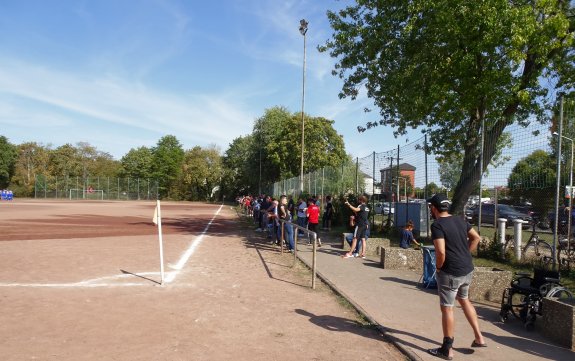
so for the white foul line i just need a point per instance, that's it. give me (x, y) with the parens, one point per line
(97, 282)
(186, 256)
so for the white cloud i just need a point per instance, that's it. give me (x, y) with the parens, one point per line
(198, 117)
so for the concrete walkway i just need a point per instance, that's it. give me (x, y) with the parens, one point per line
(410, 315)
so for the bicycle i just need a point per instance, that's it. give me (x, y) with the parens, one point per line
(536, 250)
(565, 253)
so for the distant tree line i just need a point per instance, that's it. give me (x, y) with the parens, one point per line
(199, 173)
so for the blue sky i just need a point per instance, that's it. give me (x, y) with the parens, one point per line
(120, 74)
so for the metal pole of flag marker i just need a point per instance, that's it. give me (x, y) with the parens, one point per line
(158, 222)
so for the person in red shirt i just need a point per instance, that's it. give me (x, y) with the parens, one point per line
(313, 218)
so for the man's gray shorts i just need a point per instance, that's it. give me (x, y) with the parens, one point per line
(449, 287)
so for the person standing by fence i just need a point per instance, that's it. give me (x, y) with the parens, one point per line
(454, 239)
(301, 215)
(327, 214)
(313, 218)
(286, 216)
(361, 225)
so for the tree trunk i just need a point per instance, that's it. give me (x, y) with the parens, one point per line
(471, 174)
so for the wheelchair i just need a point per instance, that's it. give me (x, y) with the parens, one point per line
(524, 299)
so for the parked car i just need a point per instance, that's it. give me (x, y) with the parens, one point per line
(541, 222)
(503, 211)
(384, 208)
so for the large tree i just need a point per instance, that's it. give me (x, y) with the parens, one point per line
(201, 173)
(167, 160)
(448, 66)
(137, 163)
(240, 175)
(8, 155)
(277, 134)
(64, 161)
(32, 160)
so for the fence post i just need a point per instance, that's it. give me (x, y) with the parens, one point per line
(356, 175)
(342, 185)
(427, 231)
(373, 193)
(322, 195)
(501, 222)
(517, 231)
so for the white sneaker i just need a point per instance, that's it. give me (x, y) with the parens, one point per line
(356, 255)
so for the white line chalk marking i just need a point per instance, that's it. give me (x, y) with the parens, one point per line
(186, 256)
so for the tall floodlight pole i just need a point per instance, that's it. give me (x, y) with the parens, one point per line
(303, 30)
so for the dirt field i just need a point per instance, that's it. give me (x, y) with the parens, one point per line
(79, 281)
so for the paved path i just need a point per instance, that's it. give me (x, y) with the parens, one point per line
(411, 316)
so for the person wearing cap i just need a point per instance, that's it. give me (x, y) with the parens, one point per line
(454, 240)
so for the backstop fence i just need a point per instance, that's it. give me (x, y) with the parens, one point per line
(95, 188)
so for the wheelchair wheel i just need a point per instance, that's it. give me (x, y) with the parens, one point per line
(518, 305)
(505, 306)
(560, 293)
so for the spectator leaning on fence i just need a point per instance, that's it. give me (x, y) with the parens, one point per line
(361, 225)
(286, 216)
(301, 215)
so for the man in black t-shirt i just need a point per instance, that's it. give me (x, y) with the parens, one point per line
(454, 239)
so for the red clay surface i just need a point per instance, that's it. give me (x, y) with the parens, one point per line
(78, 281)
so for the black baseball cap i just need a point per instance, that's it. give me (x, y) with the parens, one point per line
(440, 202)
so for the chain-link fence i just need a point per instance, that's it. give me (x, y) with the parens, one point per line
(522, 173)
(95, 188)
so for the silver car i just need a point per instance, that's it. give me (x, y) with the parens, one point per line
(384, 208)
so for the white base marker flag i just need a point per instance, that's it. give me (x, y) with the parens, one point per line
(158, 222)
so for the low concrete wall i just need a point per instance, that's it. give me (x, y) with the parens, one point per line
(558, 322)
(373, 244)
(488, 284)
(400, 258)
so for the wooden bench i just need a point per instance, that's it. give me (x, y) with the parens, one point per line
(373, 244)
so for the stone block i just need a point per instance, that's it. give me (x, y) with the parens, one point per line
(488, 284)
(373, 244)
(400, 258)
(558, 321)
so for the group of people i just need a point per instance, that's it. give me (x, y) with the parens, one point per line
(6, 195)
(453, 238)
(268, 213)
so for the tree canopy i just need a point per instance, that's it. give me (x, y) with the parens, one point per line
(449, 66)
(8, 156)
(274, 147)
(533, 180)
